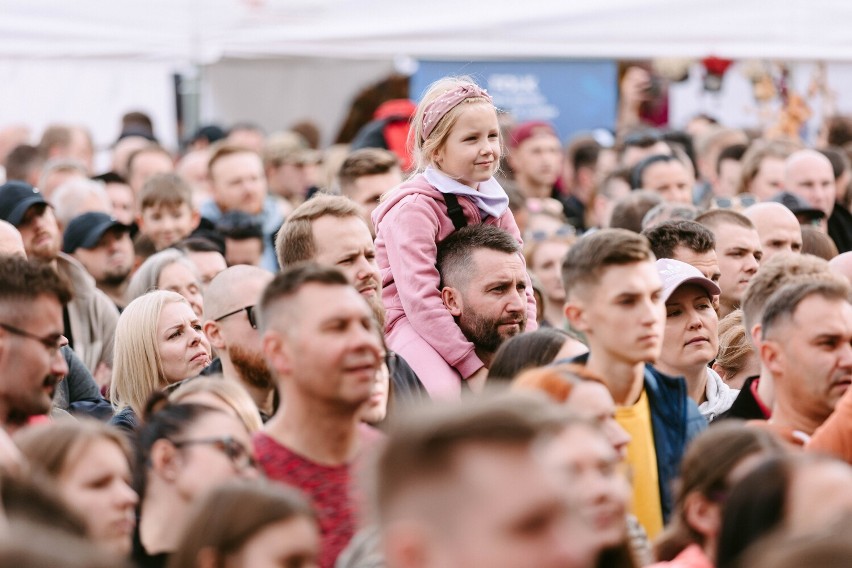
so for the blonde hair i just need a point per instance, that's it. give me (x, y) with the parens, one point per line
(734, 346)
(230, 392)
(138, 369)
(52, 447)
(147, 277)
(424, 150)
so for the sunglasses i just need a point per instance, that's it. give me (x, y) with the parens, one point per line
(249, 310)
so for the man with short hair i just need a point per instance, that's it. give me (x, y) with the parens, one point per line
(366, 174)
(614, 297)
(456, 486)
(71, 142)
(806, 334)
(145, 163)
(686, 241)
(230, 323)
(738, 250)
(778, 228)
(329, 230)
(238, 183)
(103, 246)
(90, 317)
(483, 285)
(757, 394)
(31, 363)
(321, 341)
(535, 156)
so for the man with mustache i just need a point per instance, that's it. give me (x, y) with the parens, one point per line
(483, 284)
(806, 332)
(331, 231)
(230, 323)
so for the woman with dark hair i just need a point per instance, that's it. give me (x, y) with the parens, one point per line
(528, 350)
(249, 524)
(183, 452)
(793, 494)
(715, 460)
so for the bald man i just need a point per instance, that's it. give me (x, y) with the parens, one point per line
(808, 174)
(11, 243)
(778, 228)
(231, 325)
(842, 265)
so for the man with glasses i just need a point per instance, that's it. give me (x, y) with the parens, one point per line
(90, 317)
(231, 327)
(31, 364)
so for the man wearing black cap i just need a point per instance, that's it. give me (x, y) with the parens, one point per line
(90, 317)
(103, 247)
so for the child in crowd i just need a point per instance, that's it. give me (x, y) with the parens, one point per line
(166, 211)
(456, 142)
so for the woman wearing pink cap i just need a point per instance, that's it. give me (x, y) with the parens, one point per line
(691, 339)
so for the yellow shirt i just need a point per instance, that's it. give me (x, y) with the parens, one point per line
(642, 459)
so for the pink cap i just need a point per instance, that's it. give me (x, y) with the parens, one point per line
(675, 274)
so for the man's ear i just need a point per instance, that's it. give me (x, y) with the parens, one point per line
(771, 356)
(140, 222)
(406, 545)
(575, 313)
(196, 219)
(276, 353)
(452, 300)
(214, 335)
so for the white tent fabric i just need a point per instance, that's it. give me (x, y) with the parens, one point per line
(203, 31)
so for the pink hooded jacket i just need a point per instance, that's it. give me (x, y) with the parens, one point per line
(409, 225)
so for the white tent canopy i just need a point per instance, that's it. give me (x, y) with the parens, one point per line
(205, 31)
(277, 61)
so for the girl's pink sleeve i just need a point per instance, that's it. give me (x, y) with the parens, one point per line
(507, 223)
(410, 232)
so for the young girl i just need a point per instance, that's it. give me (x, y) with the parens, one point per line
(456, 142)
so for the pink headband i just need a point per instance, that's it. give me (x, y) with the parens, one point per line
(436, 110)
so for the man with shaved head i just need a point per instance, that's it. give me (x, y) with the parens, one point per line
(231, 325)
(777, 227)
(809, 174)
(11, 243)
(842, 265)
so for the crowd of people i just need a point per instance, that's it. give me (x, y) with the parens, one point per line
(486, 348)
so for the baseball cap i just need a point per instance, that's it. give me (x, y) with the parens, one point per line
(675, 274)
(797, 205)
(16, 197)
(526, 130)
(87, 229)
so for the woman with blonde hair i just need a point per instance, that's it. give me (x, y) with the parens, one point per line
(218, 392)
(171, 270)
(158, 342)
(89, 463)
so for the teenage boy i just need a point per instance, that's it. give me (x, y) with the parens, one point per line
(166, 213)
(614, 296)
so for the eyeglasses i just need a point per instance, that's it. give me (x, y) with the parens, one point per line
(740, 201)
(249, 310)
(564, 231)
(52, 342)
(236, 452)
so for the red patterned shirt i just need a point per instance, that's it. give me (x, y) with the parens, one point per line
(330, 488)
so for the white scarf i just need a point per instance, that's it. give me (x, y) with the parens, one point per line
(490, 198)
